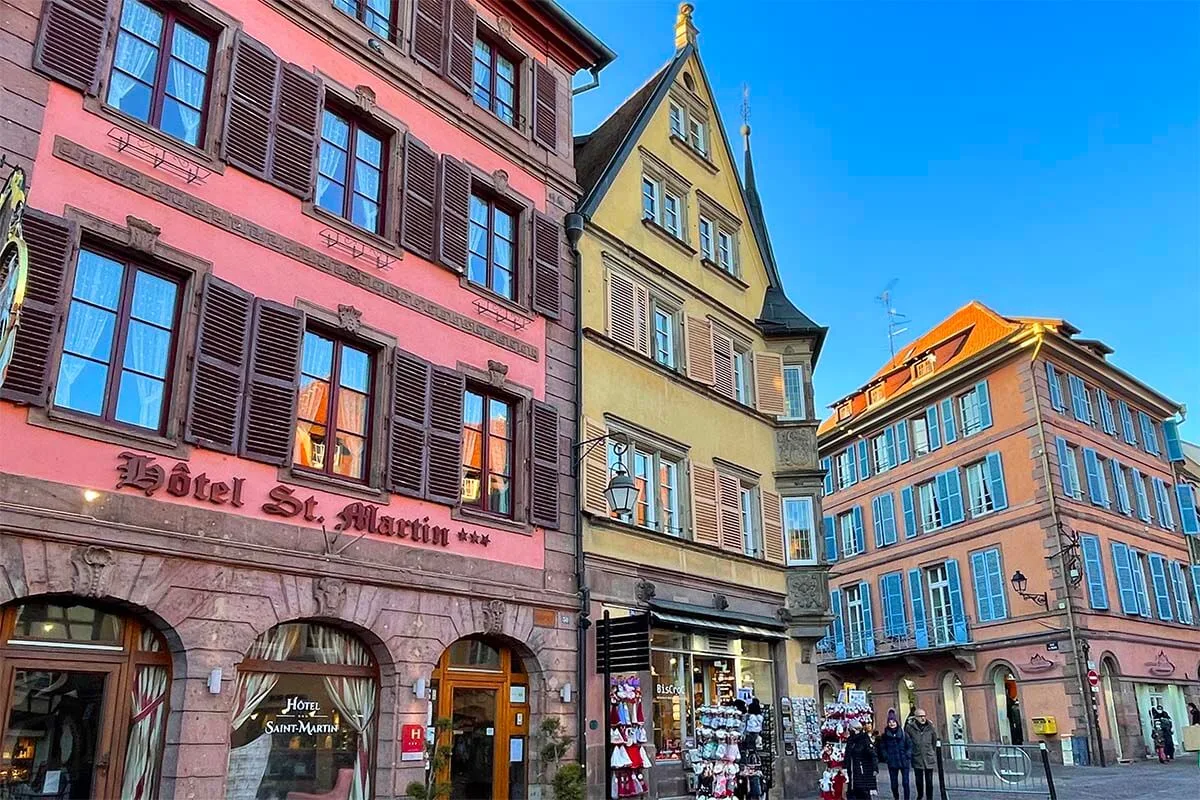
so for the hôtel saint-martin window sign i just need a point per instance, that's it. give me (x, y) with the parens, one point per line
(14, 264)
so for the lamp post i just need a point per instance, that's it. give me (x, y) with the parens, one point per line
(621, 492)
(1020, 583)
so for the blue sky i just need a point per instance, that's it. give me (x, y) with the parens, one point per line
(1041, 157)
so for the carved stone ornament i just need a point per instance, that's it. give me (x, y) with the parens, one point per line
(796, 447)
(365, 97)
(504, 24)
(330, 595)
(1161, 665)
(91, 570)
(1039, 663)
(807, 592)
(142, 234)
(349, 318)
(500, 181)
(644, 591)
(493, 616)
(497, 373)
(720, 602)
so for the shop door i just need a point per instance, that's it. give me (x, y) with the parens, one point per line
(477, 770)
(58, 737)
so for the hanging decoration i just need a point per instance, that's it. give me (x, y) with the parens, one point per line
(835, 730)
(628, 761)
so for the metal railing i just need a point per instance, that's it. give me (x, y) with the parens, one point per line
(895, 639)
(983, 771)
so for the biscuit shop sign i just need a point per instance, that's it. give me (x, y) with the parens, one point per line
(143, 473)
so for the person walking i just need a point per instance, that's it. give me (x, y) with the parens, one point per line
(1168, 729)
(895, 749)
(1193, 714)
(924, 752)
(1157, 736)
(861, 764)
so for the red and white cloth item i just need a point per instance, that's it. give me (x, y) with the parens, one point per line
(835, 730)
(627, 734)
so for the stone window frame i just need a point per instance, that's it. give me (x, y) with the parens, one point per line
(495, 186)
(667, 179)
(725, 222)
(660, 445)
(693, 109)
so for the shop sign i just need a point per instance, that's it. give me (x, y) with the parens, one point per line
(412, 742)
(666, 689)
(14, 264)
(142, 472)
(300, 716)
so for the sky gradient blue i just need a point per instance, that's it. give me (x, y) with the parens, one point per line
(1043, 158)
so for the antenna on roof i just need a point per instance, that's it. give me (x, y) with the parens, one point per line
(895, 318)
(745, 104)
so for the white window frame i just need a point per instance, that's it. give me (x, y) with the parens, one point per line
(674, 228)
(1075, 491)
(742, 377)
(657, 511)
(798, 370)
(726, 258)
(676, 115)
(856, 622)
(752, 542)
(979, 489)
(697, 136)
(970, 410)
(706, 238)
(883, 459)
(667, 357)
(845, 523)
(920, 436)
(842, 468)
(654, 213)
(931, 513)
(803, 508)
(941, 610)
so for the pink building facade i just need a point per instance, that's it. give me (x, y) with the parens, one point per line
(287, 432)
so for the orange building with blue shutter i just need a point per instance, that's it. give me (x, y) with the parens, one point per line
(1004, 510)
(285, 443)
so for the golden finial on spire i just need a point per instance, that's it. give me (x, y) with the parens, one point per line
(685, 31)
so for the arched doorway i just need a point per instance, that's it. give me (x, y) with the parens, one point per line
(304, 715)
(1108, 685)
(956, 714)
(481, 686)
(1009, 716)
(828, 695)
(906, 698)
(83, 700)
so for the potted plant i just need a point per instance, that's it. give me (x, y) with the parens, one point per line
(566, 781)
(437, 756)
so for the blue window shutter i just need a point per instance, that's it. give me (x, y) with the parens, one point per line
(1186, 496)
(1162, 595)
(860, 543)
(853, 464)
(1079, 399)
(957, 612)
(933, 428)
(887, 506)
(1161, 510)
(996, 584)
(889, 444)
(1149, 443)
(1139, 582)
(877, 521)
(839, 633)
(1095, 478)
(902, 441)
(891, 593)
(1121, 565)
(1139, 493)
(985, 404)
(1196, 590)
(827, 465)
(1093, 566)
(1171, 434)
(910, 512)
(1119, 488)
(864, 591)
(1106, 412)
(864, 460)
(1064, 473)
(917, 595)
(995, 469)
(979, 579)
(948, 420)
(1056, 398)
(1182, 602)
(943, 500)
(830, 526)
(953, 512)
(1126, 422)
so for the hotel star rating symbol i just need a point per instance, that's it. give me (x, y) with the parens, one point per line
(474, 537)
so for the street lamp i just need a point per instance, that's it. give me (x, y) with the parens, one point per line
(622, 492)
(1020, 583)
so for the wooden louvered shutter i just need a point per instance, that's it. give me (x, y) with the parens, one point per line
(700, 364)
(768, 383)
(722, 363)
(544, 470)
(297, 119)
(729, 512)
(622, 310)
(253, 79)
(772, 522)
(547, 262)
(408, 424)
(70, 41)
(454, 206)
(460, 50)
(418, 196)
(444, 445)
(270, 414)
(50, 241)
(593, 471)
(219, 367)
(429, 32)
(705, 519)
(641, 306)
(545, 106)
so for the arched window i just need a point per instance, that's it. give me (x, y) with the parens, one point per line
(304, 716)
(83, 702)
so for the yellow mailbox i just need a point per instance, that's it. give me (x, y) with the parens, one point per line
(1045, 726)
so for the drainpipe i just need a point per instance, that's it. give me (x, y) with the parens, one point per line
(594, 83)
(1081, 667)
(573, 224)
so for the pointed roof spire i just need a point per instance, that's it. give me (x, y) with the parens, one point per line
(685, 31)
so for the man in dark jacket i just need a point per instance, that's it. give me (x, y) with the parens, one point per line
(895, 748)
(861, 763)
(924, 752)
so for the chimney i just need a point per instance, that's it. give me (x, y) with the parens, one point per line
(685, 31)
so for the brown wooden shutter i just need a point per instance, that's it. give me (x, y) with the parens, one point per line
(641, 305)
(444, 446)
(253, 82)
(772, 522)
(216, 398)
(705, 519)
(429, 33)
(297, 119)
(50, 241)
(419, 193)
(622, 310)
(460, 52)
(593, 471)
(722, 363)
(454, 208)
(699, 341)
(547, 263)
(70, 41)
(768, 383)
(270, 415)
(544, 471)
(729, 512)
(408, 424)
(545, 106)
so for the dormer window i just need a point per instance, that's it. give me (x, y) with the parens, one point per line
(843, 411)
(924, 366)
(875, 394)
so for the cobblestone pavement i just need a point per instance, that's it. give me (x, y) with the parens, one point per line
(1147, 780)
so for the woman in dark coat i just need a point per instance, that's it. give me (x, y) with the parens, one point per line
(895, 748)
(861, 763)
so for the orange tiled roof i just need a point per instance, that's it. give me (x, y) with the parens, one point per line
(969, 330)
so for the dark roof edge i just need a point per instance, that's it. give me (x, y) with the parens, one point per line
(564, 18)
(617, 160)
(692, 610)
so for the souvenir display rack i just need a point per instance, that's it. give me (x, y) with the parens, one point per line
(627, 757)
(835, 730)
(806, 726)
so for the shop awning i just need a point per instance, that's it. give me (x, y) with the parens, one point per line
(724, 625)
